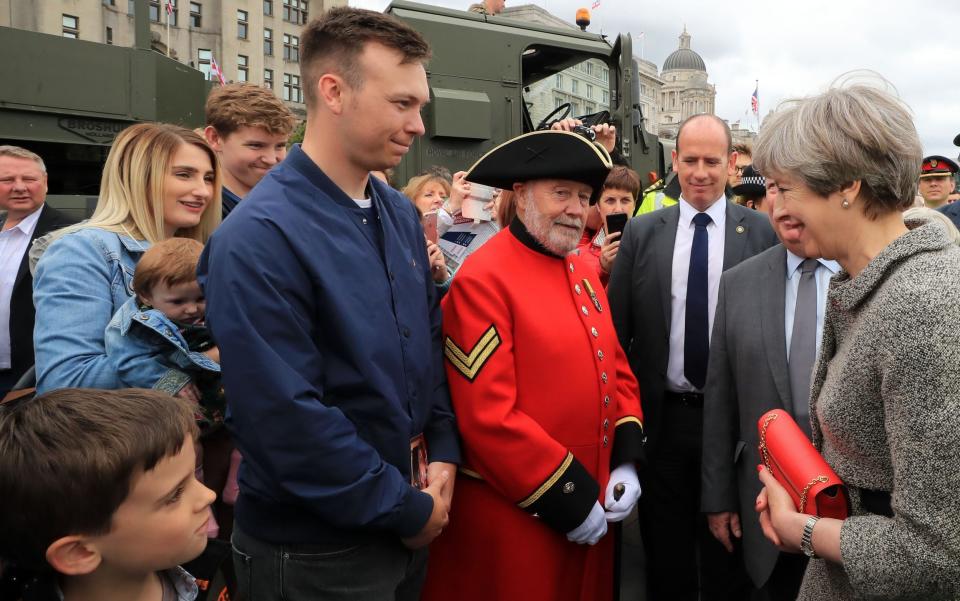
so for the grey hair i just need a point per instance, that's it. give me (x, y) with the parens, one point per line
(22, 153)
(858, 130)
(926, 214)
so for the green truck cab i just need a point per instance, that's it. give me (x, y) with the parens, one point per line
(481, 67)
(68, 99)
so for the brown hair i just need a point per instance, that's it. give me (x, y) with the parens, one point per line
(623, 178)
(416, 185)
(172, 261)
(334, 41)
(743, 149)
(68, 459)
(506, 208)
(237, 105)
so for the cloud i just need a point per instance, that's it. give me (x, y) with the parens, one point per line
(795, 49)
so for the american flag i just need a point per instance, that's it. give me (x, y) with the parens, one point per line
(595, 5)
(169, 5)
(755, 100)
(215, 69)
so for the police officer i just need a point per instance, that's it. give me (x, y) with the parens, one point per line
(936, 180)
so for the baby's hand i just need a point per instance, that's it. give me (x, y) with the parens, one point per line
(190, 392)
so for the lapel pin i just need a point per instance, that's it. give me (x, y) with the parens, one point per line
(741, 229)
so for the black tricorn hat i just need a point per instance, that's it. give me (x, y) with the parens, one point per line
(546, 154)
(956, 141)
(751, 184)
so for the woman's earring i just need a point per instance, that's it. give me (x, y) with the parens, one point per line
(845, 203)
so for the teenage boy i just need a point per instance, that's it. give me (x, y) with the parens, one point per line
(99, 495)
(320, 297)
(249, 128)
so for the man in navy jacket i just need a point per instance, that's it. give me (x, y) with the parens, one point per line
(320, 298)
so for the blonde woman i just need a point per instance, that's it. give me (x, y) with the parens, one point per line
(427, 192)
(159, 181)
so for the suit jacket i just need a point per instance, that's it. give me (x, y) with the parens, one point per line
(747, 376)
(21, 301)
(639, 292)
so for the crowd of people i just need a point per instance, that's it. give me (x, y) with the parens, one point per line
(243, 348)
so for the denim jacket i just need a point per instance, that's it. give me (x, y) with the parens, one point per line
(149, 350)
(81, 280)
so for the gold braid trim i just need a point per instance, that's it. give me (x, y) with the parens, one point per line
(548, 484)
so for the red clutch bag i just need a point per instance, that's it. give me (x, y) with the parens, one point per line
(792, 459)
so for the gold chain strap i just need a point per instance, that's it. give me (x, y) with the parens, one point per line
(806, 490)
(763, 441)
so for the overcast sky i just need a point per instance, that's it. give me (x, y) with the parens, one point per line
(795, 48)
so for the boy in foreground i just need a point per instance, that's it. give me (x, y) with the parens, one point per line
(100, 500)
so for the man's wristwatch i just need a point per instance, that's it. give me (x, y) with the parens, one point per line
(806, 539)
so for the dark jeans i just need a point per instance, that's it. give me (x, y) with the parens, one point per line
(381, 570)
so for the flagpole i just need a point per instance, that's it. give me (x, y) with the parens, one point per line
(757, 88)
(167, 7)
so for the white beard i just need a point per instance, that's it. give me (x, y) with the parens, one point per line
(556, 238)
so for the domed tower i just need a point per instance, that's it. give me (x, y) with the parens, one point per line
(685, 90)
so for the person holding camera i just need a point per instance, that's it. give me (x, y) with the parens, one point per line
(616, 205)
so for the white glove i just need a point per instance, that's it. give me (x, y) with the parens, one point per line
(625, 474)
(591, 530)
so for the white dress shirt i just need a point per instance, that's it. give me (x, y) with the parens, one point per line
(824, 272)
(676, 381)
(13, 244)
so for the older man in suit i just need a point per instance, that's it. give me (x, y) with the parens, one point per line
(663, 293)
(766, 332)
(23, 190)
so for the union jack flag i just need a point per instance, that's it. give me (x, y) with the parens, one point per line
(755, 100)
(216, 70)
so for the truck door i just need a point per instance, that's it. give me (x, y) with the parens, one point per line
(637, 146)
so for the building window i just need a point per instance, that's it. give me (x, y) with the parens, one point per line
(295, 11)
(291, 48)
(71, 26)
(203, 62)
(195, 20)
(605, 96)
(268, 78)
(109, 2)
(155, 11)
(557, 102)
(130, 4)
(268, 41)
(291, 88)
(591, 109)
(242, 24)
(108, 38)
(606, 75)
(172, 14)
(242, 68)
(268, 8)
(559, 81)
(589, 67)
(575, 109)
(574, 84)
(589, 91)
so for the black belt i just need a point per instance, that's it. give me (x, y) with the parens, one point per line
(687, 399)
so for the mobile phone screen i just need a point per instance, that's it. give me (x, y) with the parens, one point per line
(429, 222)
(616, 222)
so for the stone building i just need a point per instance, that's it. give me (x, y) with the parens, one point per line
(250, 40)
(685, 89)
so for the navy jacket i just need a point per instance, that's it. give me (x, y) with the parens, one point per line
(952, 210)
(331, 356)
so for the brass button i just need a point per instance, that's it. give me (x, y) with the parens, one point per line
(606, 401)
(576, 288)
(600, 355)
(569, 487)
(571, 267)
(583, 308)
(603, 377)
(595, 333)
(606, 424)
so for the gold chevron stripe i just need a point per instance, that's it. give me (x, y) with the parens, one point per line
(548, 484)
(469, 364)
(628, 419)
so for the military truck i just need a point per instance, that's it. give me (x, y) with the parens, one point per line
(481, 67)
(67, 100)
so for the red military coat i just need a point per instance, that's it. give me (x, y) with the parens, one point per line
(545, 402)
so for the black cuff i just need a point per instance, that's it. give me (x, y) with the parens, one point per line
(628, 441)
(566, 498)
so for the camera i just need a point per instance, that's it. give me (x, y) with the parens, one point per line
(586, 132)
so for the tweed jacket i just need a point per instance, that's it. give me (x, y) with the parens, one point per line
(886, 416)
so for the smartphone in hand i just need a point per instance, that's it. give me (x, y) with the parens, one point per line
(429, 222)
(616, 222)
